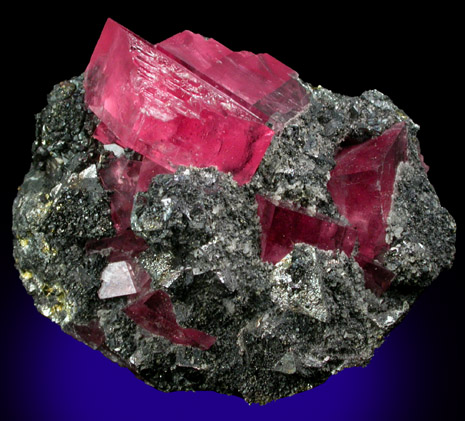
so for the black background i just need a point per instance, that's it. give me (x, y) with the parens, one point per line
(410, 55)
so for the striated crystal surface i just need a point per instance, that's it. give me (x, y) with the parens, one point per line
(177, 108)
(259, 82)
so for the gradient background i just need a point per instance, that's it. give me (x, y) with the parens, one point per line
(412, 57)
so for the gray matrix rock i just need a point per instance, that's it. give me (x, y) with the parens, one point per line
(215, 314)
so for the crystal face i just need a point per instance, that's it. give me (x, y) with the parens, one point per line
(117, 280)
(210, 221)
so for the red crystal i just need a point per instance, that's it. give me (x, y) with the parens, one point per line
(283, 227)
(123, 246)
(175, 107)
(121, 178)
(154, 312)
(91, 333)
(148, 170)
(377, 277)
(362, 184)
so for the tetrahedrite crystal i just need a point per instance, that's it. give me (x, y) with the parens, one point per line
(210, 221)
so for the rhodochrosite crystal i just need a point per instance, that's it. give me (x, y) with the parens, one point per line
(188, 101)
(211, 222)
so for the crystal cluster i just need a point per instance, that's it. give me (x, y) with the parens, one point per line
(210, 221)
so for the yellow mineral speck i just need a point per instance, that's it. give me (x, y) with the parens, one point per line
(48, 290)
(402, 115)
(46, 206)
(23, 242)
(56, 308)
(26, 275)
(61, 310)
(46, 249)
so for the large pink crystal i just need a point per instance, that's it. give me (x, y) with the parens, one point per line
(177, 107)
(154, 312)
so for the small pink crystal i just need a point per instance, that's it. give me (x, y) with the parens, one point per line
(377, 277)
(283, 227)
(121, 178)
(154, 312)
(123, 246)
(148, 170)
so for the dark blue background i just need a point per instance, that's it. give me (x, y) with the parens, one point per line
(411, 57)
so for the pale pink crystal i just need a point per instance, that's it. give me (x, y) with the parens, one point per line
(117, 280)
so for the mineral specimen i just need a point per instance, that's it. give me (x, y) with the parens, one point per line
(210, 221)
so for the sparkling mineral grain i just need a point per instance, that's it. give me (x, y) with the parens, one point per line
(210, 221)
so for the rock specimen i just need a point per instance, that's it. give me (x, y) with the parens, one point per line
(208, 220)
